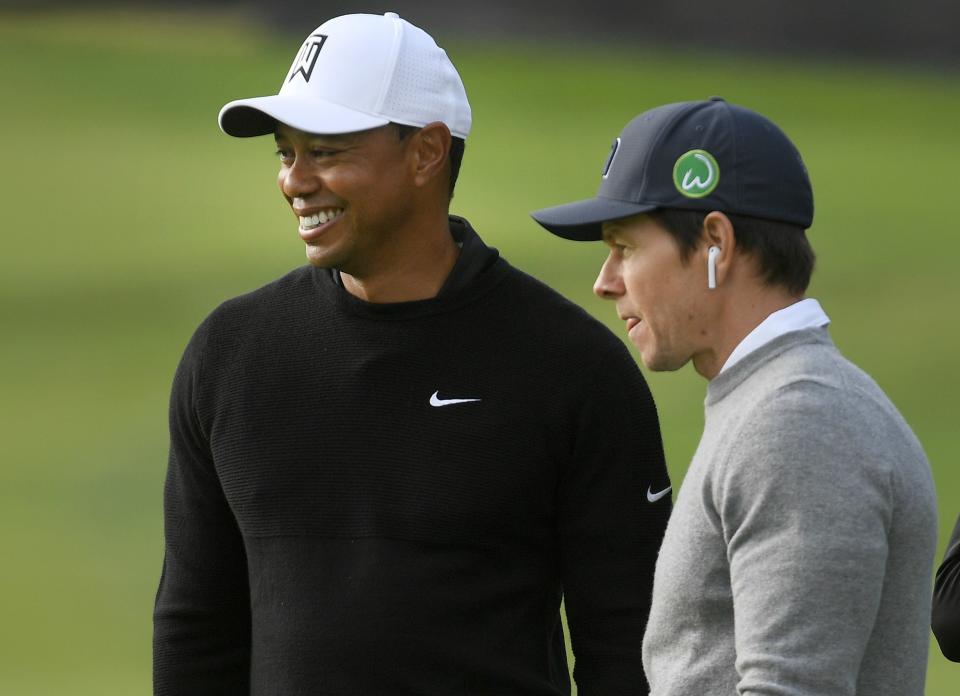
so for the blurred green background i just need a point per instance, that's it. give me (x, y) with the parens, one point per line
(126, 217)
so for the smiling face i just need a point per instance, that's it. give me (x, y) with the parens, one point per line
(663, 300)
(350, 193)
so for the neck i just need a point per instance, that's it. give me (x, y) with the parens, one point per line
(735, 320)
(416, 270)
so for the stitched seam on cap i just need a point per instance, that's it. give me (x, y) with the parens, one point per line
(388, 76)
(668, 123)
(735, 166)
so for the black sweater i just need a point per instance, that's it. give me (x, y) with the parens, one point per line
(946, 599)
(330, 531)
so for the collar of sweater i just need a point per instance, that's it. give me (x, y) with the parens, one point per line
(728, 380)
(478, 269)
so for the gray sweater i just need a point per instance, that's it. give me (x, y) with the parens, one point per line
(799, 555)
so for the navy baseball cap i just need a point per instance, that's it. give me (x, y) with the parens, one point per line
(701, 155)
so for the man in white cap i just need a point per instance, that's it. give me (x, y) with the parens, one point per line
(389, 466)
(798, 558)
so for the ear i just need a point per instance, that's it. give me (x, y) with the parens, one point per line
(718, 232)
(430, 149)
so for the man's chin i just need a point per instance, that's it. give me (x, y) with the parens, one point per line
(658, 362)
(317, 258)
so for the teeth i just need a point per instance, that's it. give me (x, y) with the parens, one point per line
(320, 218)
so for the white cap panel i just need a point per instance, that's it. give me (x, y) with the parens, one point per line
(379, 68)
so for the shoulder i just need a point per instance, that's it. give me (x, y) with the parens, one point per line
(810, 412)
(816, 384)
(253, 312)
(806, 373)
(266, 299)
(807, 394)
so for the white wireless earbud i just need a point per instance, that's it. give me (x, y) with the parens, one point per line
(712, 254)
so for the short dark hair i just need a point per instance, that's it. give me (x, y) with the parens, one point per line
(457, 146)
(782, 251)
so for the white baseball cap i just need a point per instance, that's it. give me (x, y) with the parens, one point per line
(357, 72)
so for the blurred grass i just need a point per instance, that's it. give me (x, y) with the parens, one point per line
(126, 217)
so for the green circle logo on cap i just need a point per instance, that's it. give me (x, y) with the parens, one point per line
(696, 174)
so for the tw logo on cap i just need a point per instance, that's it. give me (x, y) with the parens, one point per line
(306, 59)
(696, 174)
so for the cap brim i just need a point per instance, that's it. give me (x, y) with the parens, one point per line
(245, 118)
(583, 221)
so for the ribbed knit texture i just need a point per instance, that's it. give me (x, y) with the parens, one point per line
(798, 558)
(329, 532)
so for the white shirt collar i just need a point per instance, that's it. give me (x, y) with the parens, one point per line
(805, 314)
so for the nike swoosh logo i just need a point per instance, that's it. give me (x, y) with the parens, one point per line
(654, 497)
(435, 400)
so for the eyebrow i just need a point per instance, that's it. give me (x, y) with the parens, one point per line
(610, 231)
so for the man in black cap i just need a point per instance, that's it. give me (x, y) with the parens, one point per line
(385, 470)
(799, 553)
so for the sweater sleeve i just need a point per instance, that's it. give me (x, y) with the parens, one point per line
(946, 599)
(201, 640)
(805, 520)
(610, 533)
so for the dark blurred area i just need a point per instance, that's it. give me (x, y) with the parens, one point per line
(919, 32)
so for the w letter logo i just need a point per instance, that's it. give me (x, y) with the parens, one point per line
(696, 174)
(307, 57)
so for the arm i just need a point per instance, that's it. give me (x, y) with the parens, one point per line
(610, 534)
(805, 519)
(201, 640)
(946, 599)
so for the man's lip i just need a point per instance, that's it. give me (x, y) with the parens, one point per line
(315, 232)
(632, 322)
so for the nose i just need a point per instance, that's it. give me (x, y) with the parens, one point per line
(609, 283)
(295, 180)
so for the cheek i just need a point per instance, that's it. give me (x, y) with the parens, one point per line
(346, 185)
(660, 302)
(641, 284)
(687, 311)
